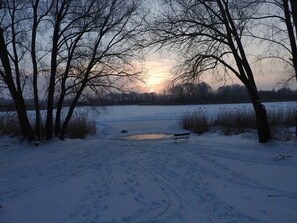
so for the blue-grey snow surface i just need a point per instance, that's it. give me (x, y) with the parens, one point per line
(107, 178)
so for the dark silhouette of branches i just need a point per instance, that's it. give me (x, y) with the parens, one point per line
(78, 46)
(208, 35)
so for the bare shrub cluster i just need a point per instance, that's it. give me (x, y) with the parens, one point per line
(235, 121)
(79, 127)
(240, 120)
(196, 122)
(9, 124)
(281, 119)
(282, 116)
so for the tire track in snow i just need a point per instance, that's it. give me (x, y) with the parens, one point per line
(230, 175)
(169, 181)
(175, 202)
(208, 203)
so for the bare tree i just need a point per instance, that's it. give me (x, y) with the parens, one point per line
(281, 25)
(290, 16)
(209, 36)
(275, 24)
(79, 46)
(96, 51)
(13, 50)
(39, 13)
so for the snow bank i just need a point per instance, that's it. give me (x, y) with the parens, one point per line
(212, 178)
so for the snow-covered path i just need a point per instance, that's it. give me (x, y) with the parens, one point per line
(213, 178)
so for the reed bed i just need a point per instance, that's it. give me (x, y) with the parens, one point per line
(196, 122)
(79, 126)
(240, 120)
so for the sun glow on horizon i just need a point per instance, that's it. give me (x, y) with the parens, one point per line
(157, 75)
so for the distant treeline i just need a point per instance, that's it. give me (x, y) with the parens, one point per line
(201, 93)
(195, 94)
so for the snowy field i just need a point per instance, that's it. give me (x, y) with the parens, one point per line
(109, 178)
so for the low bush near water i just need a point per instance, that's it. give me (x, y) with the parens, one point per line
(235, 121)
(196, 122)
(240, 120)
(282, 116)
(79, 126)
(280, 120)
(9, 124)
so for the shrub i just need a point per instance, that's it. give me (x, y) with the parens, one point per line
(9, 124)
(196, 122)
(282, 116)
(280, 120)
(80, 127)
(235, 121)
(240, 120)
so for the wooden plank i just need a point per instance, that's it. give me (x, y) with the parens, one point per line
(182, 134)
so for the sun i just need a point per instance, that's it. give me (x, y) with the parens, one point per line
(157, 75)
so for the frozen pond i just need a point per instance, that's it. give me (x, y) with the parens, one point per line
(158, 119)
(165, 113)
(171, 112)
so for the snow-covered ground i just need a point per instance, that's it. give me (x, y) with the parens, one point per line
(109, 178)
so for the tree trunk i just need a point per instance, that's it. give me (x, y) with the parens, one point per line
(17, 97)
(68, 117)
(263, 128)
(291, 34)
(51, 87)
(71, 110)
(262, 122)
(63, 91)
(58, 113)
(50, 101)
(35, 72)
(27, 130)
(296, 124)
(67, 120)
(294, 13)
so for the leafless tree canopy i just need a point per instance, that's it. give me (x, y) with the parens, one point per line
(84, 46)
(209, 35)
(79, 46)
(275, 26)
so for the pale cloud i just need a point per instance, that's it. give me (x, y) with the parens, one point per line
(158, 74)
